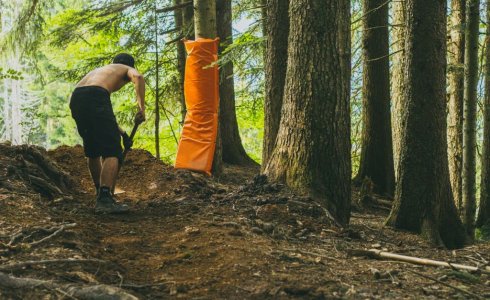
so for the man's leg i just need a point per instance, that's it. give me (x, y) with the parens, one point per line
(95, 167)
(110, 168)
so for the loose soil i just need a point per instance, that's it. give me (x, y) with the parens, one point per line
(191, 236)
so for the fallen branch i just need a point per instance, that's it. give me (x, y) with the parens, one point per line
(100, 291)
(24, 264)
(448, 285)
(54, 234)
(373, 253)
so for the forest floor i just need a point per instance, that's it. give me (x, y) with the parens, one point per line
(191, 236)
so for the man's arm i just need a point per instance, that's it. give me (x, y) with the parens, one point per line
(139, 86)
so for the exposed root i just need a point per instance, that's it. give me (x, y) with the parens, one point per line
(99, 291)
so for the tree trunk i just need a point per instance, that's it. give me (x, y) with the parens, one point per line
(397, 76)
(470, 103)
(232, 148)
(456, 95)
(181, 57)
(188, 21)
(157, 90)
(312, 152)
(423, 199)
(275, 64)
(484, 210)
(377, 150)
(205, 18)
(205, 27)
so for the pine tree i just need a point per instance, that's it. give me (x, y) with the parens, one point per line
(423, 198)
(312, 150)
(277, 29)
(377, 150)
(470, 104)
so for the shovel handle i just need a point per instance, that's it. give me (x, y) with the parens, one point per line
(131, 136)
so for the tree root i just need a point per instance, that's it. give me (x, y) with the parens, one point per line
(99, 291)
(24, 264)
(23, 234)
(54, 234)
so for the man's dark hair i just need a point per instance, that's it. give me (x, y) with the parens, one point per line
(125, 59)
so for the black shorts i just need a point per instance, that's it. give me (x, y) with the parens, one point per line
(92, 110)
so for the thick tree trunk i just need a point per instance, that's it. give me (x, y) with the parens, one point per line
(275, 64)
(312, 152)
(470, 103)
(377, 150)
(456, 95)
(233, 151)
(397, 76)
(423, 198)
(484, 209)
(181, 57)
(205, 27)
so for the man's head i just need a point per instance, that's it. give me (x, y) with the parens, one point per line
(125, 59)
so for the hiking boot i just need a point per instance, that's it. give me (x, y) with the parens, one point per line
(105, 204)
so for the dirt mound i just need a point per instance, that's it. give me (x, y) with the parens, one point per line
(27, 169)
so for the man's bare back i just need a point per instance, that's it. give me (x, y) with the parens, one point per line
(111, 77)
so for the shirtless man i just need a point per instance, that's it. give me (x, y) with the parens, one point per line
(91, 108)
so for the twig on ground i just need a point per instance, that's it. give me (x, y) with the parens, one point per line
(447, 284)
(65, 293)
(311, 254)
(374, 253)
(120, 277)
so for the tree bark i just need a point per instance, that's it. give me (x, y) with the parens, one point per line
(423, 199)
(397, 76)
(205, 27)
(377, 150)
(312, 151)
(181, 57)
(205, 18)
(484, 209)
(456, 95)
(233, 151)
(157, 89)
(188, 21)
(275, 64)
(469, 127)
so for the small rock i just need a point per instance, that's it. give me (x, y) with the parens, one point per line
(173, 290)
(376, 273)
(257, 230)
(192, 230)
(235, 232)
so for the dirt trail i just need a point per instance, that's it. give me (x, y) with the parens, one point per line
(189, 236)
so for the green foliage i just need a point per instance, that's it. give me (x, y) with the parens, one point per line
(483, 233)
(10, 74)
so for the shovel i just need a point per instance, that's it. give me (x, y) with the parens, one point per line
(137, 123)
